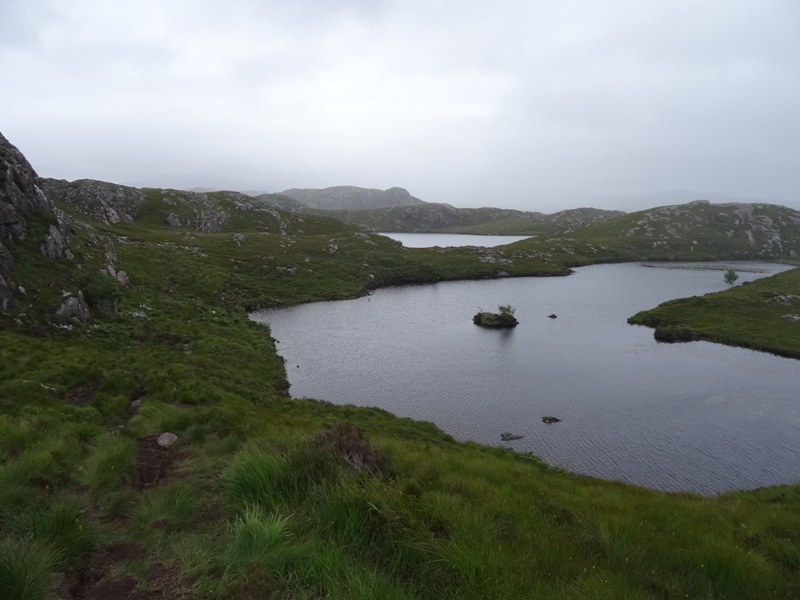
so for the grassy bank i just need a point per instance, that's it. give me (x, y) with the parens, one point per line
(263, 496)
(762, 315)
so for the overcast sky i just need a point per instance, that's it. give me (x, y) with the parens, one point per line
(538, 105)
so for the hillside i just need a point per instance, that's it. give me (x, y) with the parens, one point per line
(148, 448)
(431, 217)
(347, 197)
(700, 228)
(694, 231)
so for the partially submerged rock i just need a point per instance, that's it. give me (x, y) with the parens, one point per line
(549, 419)
(508, 436)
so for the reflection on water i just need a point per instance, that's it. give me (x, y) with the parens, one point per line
(698, 416)
(443, 240)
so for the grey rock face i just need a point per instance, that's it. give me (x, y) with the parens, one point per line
(57, 238)
(196, 211)
(18, 181)
(6, 260)
(20, 195)
(6, 297)
(105, 202)
(74, 307)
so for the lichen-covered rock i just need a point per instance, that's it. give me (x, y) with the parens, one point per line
(122, 278)
(57, 239)
(74, 307)
(19, 187)
(105, 202)
(21, 196)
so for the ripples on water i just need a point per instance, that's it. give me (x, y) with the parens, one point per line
(699, 416)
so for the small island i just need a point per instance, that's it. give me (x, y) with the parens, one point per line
(504, 318)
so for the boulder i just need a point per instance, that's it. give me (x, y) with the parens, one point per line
(165, 440)
(74, 307)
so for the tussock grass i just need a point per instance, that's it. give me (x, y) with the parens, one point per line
(26, 569)
(169, 509)
(108, 464)
(57, 523)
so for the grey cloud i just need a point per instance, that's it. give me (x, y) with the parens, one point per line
(520, 104)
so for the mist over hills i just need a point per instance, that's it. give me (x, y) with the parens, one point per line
(348, 197)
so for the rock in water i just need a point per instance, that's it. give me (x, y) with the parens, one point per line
(549, 419)
(508, 436)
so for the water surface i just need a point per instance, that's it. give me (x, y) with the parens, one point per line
(443, 240)
(701, 417)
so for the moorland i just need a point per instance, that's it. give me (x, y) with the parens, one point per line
(124, 318)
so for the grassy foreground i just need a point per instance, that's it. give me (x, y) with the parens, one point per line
(267, 497)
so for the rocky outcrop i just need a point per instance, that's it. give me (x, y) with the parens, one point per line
(347, 197)
(201, 212)
(105, 202)
(74, 307)
(282, 202)
(21, 197)
(764, 229)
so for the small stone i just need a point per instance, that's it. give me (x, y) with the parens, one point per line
(165, 440)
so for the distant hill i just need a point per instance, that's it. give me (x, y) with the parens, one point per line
(346, 197)
(695, 231)
(731, 230)
(483, 221)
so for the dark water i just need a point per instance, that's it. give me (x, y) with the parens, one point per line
(699, 416)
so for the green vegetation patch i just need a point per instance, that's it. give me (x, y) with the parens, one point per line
(763, 315)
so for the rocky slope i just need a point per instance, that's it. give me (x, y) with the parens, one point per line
(209, 212)
(23, 207)
(732, 230)
(483, 221)
(348, 197)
